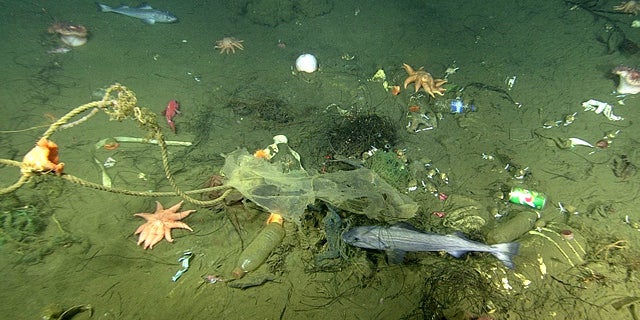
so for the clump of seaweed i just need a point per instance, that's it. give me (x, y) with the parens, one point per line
(389, 167)
(355, 134)
(267, 109)
(21, 229)
(21, 224)
(458, 287)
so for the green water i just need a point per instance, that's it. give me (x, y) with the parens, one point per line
(91, 257)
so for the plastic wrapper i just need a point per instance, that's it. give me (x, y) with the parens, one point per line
(288, 192)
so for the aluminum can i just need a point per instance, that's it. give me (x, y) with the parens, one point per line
(526, 197)
(457, 106)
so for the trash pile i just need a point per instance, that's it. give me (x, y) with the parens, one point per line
(289, 190)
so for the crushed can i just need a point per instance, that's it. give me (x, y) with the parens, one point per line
(526, 197)
(457, 106)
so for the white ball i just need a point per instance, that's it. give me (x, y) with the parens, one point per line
(307, 63)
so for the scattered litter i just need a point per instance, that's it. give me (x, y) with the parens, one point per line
(109, 162)
(601, 107)
(185, 265)
(252, 281)
(510, 82)
(580, 142)
(213, 279)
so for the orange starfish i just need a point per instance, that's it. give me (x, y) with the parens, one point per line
(160, 223)
(42, 158)
(424, 79)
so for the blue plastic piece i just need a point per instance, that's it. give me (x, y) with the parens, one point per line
(184, 260)
(457, 106)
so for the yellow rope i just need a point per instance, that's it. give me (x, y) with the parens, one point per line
(10, 162)
(73, 179)
(172, 181)
(100, 187)
(119, 103)
(54, 126)
(23, 179)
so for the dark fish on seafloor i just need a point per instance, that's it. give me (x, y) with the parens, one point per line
(402, 237)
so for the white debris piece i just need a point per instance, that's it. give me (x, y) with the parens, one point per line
(109, 162)
(601, 107)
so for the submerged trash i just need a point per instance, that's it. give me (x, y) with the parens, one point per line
(257, 252)
(579, 142)
(213, 279)
(185, 265)
(601, 107)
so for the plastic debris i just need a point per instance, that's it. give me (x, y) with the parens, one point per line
(379, 76)
(213, 279)
(185, 265)
(601, 107)
(110, 162)
(510, 82)
(580, 142)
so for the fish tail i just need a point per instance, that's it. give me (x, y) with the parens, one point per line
(104, 7)
(505, 253)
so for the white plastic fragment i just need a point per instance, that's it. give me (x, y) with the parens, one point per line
(580, 142)
(510, 82)
(505, 284)
(601, 107)
(109, 162)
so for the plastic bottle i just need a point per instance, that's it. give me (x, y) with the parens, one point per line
(257, 252)
(512, 227)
